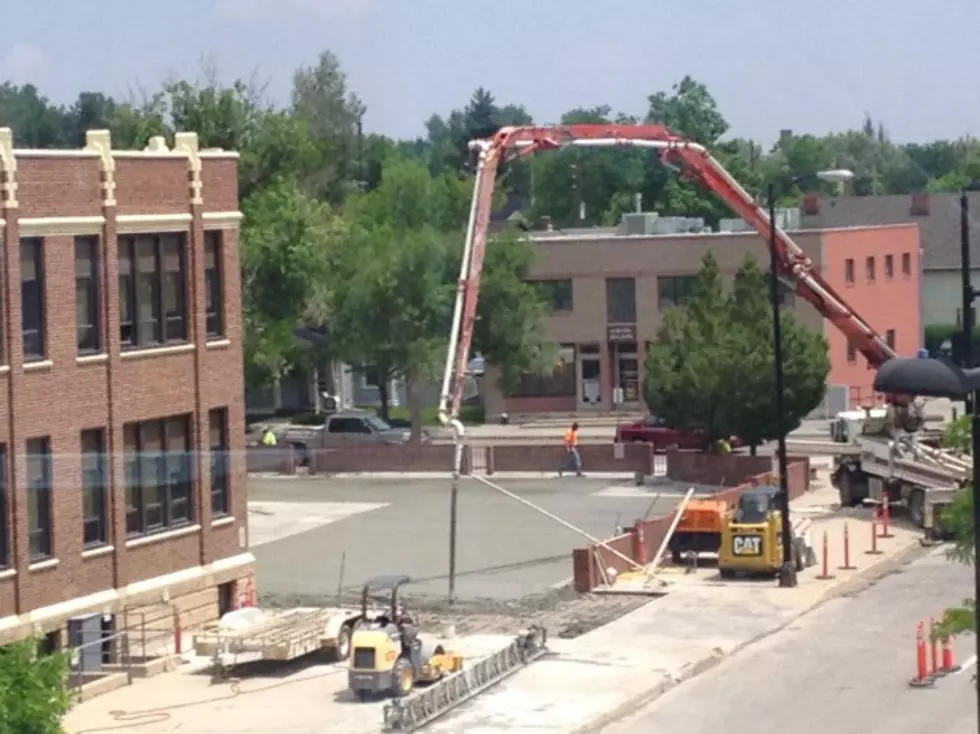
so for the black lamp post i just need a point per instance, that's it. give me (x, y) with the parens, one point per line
(787, 572)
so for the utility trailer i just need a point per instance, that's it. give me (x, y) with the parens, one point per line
(252, 634)
(923, 478)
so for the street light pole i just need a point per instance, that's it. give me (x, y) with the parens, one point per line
(787, 572)
(966, 348)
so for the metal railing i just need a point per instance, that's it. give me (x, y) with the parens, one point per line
(88, 661)
(411, 713)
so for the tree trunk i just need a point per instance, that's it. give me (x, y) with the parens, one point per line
(383, 396)
(753, 450)
(414, 409)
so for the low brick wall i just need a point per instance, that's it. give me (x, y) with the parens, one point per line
(642, 541)
(353, 459)
(270, 460)
(517, 457)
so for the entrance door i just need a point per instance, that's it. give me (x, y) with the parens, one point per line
(626, 373)
(590, 378)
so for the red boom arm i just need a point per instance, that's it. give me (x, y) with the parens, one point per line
(673, 149)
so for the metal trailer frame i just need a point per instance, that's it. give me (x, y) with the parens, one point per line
(281, 637)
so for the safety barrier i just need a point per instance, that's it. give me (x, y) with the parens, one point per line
(929, 667)
(418, 709)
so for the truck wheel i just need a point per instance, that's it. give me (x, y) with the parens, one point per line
(341, 650)
(402, 678)
(917, 508)
(676, 558)
(798, 555)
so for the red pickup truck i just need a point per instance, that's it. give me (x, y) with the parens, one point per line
(656, 431)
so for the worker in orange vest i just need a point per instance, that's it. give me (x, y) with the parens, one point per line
(572, 458)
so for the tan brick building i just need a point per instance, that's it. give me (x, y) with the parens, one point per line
(609, 291)
(122, 477)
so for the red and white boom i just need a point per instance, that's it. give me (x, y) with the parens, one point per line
(697, 161)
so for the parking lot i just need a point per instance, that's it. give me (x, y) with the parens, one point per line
(319, 538)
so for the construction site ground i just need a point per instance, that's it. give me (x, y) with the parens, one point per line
(313, 536)
(610, 652)
(605, 674)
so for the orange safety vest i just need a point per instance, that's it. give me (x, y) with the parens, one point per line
(571, 438)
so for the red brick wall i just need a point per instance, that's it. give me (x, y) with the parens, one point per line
(523, 457)
(62, 398)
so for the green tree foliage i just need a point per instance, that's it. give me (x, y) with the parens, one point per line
(33, 692)
(285, 250)
(957, 520)
(712, 363)
(314, 156)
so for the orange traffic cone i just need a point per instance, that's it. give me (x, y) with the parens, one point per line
(922, 678)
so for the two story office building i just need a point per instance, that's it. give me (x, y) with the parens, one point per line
(609, 291)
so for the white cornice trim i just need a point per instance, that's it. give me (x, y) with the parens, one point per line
(59, 226)
(54, 153)
(229, 154)
(149, 154)
(222, 220)
(152, 223)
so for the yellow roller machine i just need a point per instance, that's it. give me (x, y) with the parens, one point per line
(389, 656)
(751, 537)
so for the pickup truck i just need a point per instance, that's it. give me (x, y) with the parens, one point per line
(653, 429)
(345, 427)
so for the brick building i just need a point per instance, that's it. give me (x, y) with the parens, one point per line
(122, 480)
(609, 291)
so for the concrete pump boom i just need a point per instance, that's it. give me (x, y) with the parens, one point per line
(697, 161)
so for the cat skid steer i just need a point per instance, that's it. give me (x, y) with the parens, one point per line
(751, 538)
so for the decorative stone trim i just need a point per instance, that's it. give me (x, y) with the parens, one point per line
(152, 223)
(8, 169)
(222, 220)
(100, 142)
(60, 226)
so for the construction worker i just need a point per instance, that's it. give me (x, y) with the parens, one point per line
(572, 458)
(269, 437)
(724, 446)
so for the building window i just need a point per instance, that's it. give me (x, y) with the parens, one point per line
(906, 263)
(849, 270)
(556, 294)
(621, 300)
(213, 285)
(94, 488)
(152, 290)
(39, 498)
(32, 298)
(869, 268)
(4, 520)
(852, 353)
(218, 428)
(674, 291)
(560, 382)
(890, 338)
(159, 480)
(87, 295)
(889, 267)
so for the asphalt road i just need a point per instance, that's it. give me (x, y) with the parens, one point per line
(843, 668)
(368, 527)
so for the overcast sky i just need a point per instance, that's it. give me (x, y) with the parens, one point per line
(771, 64)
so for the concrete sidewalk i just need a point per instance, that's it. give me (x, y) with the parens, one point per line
(595, 679)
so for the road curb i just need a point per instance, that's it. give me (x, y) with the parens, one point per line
(860, 581)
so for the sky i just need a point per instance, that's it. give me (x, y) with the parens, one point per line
(806, 66)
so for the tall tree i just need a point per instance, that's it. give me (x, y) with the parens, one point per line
(333, 115)
(712, 364)
(751, 392)
(285, 249)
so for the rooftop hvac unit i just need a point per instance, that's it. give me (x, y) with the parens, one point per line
(643, 223)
